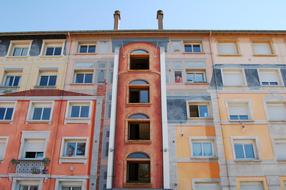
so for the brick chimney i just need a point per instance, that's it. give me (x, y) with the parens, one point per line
(116, 16)
(160, 16)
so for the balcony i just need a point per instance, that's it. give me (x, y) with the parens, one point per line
(8, 89)
(31, 166)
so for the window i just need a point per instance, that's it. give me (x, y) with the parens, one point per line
(27, 185)
(276, 111)
(138, 168)
(74, 148)
(47, 79)
(207, 186)
(12, 79)
(193, 47)
(202, 148)
(198, 110)
(196, 76)
(53, 47)
(238, 111)
(20, 51)
(83, 77)
(262, 48)
(40, 112)
(87, 48)
(19, 48)
(53, 51)
(3, 144)
(227, 48)
(251, 185)
(178, 77)
(138, 91)
(233, 78)
(244, 149)
(34, 148)
(280, 147)
(139, 60)
(79, 110)
(139, 128)
(269, 77)
(6, 111)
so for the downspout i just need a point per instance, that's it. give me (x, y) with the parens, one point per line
(219, 112)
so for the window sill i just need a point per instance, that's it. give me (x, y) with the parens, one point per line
(203, 158)
(277, 120)
(200, 118)
(45, 87)
(77, 120)
(248, 160)
(240, 120)
(10, 87)
(229, 55)
(52, 56)
(11, 56)
(138, 141)
(139, 104)
(194, 53)
(6, 121)
(139, 70)
(39, 121)
(85, 53)
(85, 84)
(196, 83)
(281, 160)
(264, 55)
(73, 160)
(137, 185)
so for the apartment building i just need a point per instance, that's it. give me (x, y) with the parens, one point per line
(143, 109)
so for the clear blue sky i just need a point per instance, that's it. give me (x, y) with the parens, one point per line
(40, 15)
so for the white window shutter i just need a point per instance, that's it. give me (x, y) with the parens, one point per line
(262, 48)
(207, 186)
(34, 145)
(251, 186)
(280, 149)
(276, 112)
(2, 149)
(232, 78)
(227, 48)
(238, 109)
(269, 76)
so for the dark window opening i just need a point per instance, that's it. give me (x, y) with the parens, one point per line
(139, 60)
(139, 131)
(139, 95)
(138, 172)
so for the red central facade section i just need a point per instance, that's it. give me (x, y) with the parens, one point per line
(125, 147)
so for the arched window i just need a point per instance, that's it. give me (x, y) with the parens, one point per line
(139, 91)
(138, 127)
(138, 168)
(139, 60)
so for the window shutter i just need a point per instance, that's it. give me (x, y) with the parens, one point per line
(238, 109)
(232, 78)
(227, 48)
(2, 148)
(262, 49)
(34, 145)
(207, 186)
(276, 111)
(269, 76)
(280, 148)
(251, 186)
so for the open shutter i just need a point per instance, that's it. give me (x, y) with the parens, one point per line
(232, 78)
(251, 186)
(280, 148)
(2, 148)
(34, 145)
(238, 109)
(276, 111)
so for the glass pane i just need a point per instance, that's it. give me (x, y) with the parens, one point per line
(188, 48)
(39, 155)
(91, 49)
(46, 114)
(2, 113)
(70, 149)
(53, 80)
(83, 49)
(144, 173)
(44, 80)
(203, 111)
(178, 77)
(58, 51)
(50, 51)
(76, 188)
(66, 188)
(37, 113)
(84, 111)
(249, 152)
(30, 155)
(197, 149)
(238, 148)
(88, 78)
(80, 149)
(16, 80)
(17, 51)
(138, 116)
(199, 77)
(75, 111)
(208, 149)
(138, 155)
(34, 187)
(194, 111)
(9, 81)
(136, 82)
(197, 48)
(190, 77)
(79, 78)
(24, 52)
(144, 96)
(24, 187)
(9, 113)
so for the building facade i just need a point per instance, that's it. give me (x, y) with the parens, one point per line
(143, 109)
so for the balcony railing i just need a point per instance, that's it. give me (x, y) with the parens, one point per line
(31, 166)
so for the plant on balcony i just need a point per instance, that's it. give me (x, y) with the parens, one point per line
(35, 170)
(15, 161)
(46, 161)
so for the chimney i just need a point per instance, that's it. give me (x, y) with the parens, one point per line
(116, 16)
(160, 16)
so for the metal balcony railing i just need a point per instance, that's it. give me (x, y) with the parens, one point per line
(31, 166)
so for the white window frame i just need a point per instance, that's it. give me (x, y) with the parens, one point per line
(244, 82)
(279, 141)
(78, 119)
(246, 138)
(52, 43)
(202, 140)
(86, 44)
(75, 159)
(192, 44)
(249, 107)
(5, 140)
(280, 83)
(204, 103)
(5, 104)
(30, 111)
(12, 73)
(49, 74)
(29, 181)
(33, 135)
(270, 44)
(196, 71)
(83, 71)
(19, 43)
(74, 180)
(235, 42)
